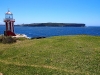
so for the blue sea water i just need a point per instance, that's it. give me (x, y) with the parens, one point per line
(54, 31)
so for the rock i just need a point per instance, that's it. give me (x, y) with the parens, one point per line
(37, 37)
(1, 74)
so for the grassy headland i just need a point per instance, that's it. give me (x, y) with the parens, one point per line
(54, 25)
(61, 55)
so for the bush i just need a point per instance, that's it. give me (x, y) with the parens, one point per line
(0, 39)
(7, 39)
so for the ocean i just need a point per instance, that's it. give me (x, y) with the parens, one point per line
(54, 31)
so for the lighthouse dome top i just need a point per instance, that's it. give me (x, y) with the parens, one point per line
(8, 12)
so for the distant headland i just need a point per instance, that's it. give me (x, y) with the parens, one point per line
(54, 25)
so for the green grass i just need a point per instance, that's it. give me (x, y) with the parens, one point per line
(60, 55)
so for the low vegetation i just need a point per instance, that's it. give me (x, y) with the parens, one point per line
(60, 55)
(7, 39)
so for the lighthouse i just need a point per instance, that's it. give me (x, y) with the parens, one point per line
(9, 23)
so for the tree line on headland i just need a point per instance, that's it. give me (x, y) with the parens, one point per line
(54, 25)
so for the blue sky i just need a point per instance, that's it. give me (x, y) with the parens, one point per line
(59, 11)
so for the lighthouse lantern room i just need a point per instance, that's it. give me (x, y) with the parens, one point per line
(9, 22)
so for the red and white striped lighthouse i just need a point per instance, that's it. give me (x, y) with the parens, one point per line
(9, 22)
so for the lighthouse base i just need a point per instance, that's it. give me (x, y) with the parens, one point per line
(9, 33)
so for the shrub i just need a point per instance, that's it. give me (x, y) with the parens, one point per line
(0, 39)
(8, 39)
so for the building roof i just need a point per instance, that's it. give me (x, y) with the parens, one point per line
(8, 12)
